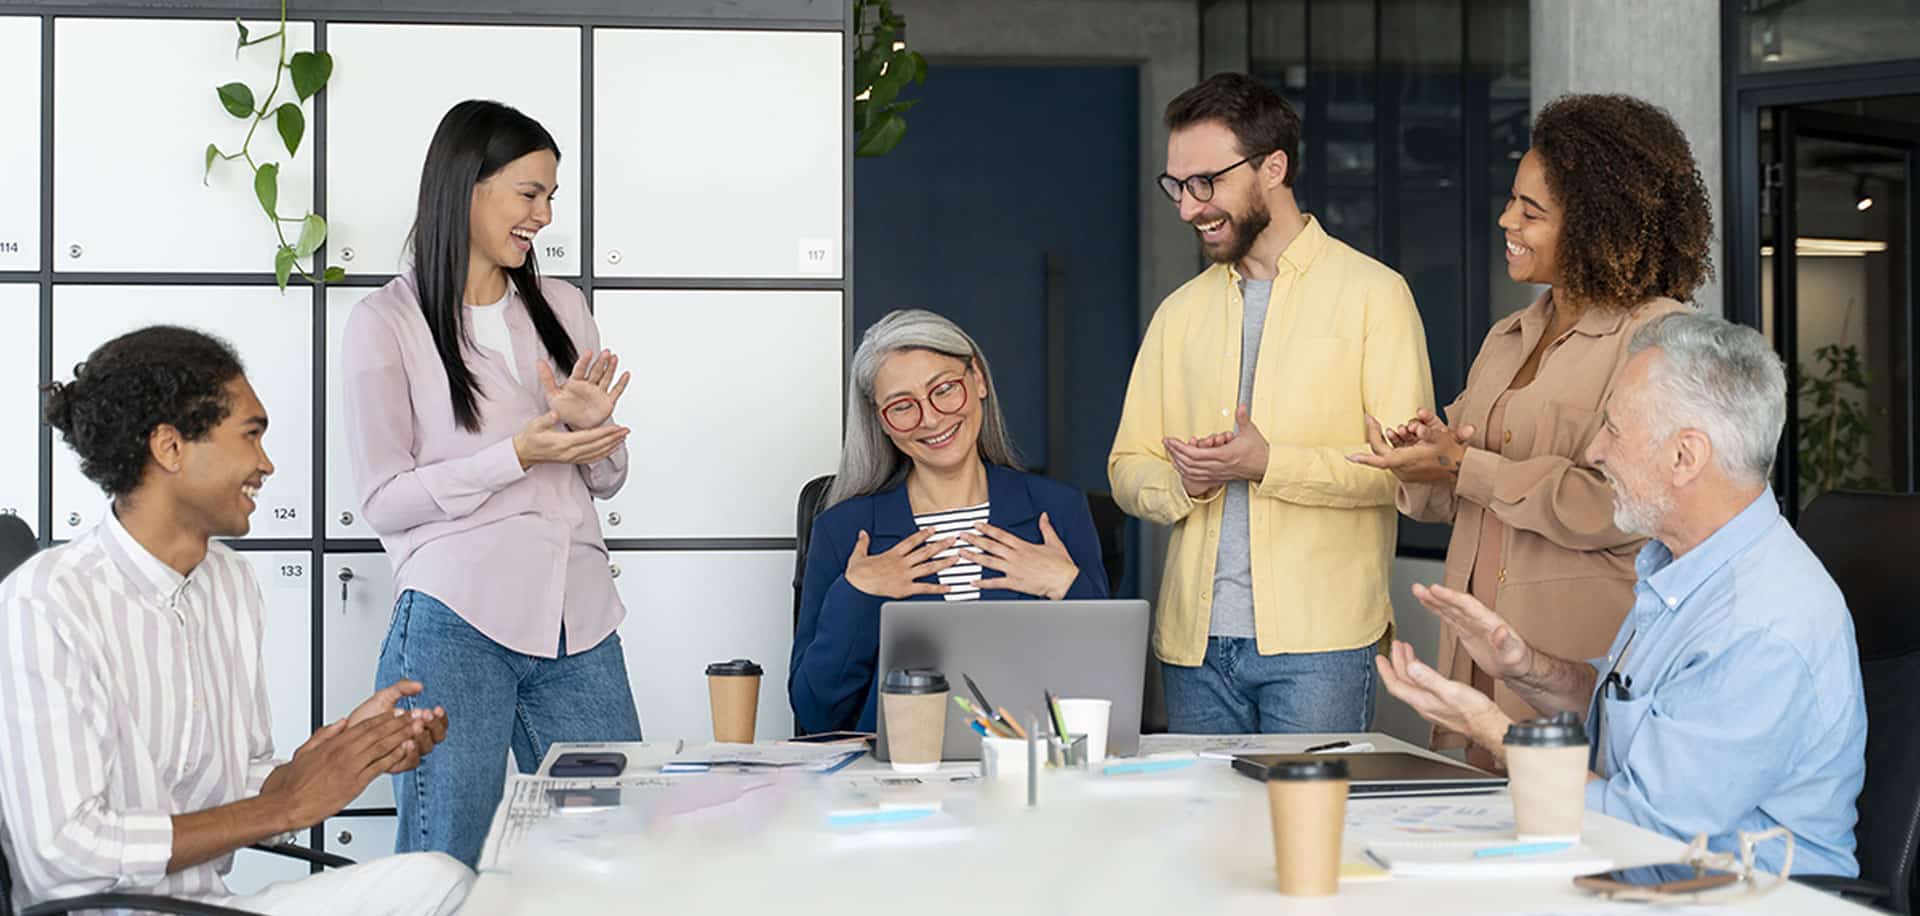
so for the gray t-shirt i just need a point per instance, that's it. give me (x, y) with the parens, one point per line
(1233, 564)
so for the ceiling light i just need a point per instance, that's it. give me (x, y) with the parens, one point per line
(1816, 247)
(1862, 201)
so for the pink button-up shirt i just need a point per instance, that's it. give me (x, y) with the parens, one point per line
(516, 553)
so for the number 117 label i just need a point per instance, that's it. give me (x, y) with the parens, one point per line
(816, 256)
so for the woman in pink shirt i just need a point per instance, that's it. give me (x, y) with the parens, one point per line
(480, 419)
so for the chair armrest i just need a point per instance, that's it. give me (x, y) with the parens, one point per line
(1849, 888)
(140, 902)
(312, 856)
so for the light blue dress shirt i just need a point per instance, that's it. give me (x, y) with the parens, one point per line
(1744, 709)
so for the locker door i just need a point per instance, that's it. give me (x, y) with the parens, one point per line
(342, 518)
(766, 424)
(377, 138)
(686, 609)
(757, 191)
(272, 333)
(354, 628)
(20, 142)
(128, 170)
(285, 579)
(20, 401)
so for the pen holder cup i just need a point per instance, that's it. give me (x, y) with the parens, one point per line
(1067, 753)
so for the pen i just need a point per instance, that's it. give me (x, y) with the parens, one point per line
(1329, 747)
(1059, 720)
(976, 726)
(1521, 849)
(985, 707)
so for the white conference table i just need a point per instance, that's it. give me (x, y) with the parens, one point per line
(1193, 839)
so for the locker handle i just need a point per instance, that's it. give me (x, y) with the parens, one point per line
(346, 576)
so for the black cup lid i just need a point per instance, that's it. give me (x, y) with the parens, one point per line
(738, 666)
(1306, 770)
(1563, 730)
(914, 681)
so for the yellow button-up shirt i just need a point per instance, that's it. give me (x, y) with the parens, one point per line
(1342, 340)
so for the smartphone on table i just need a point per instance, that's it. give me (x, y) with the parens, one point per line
(584, 764)
(830, 738)
(1674, 878)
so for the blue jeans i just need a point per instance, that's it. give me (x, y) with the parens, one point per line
(495, 699)
(1238, 691)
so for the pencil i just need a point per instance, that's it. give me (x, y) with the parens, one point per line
(1007, 720)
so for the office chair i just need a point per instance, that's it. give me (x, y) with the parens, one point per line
(1861, 538)
(17, 544)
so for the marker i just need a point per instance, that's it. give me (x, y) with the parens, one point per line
(1521, 849)
(976, 726)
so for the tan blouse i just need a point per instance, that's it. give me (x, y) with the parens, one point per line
(1532, 522)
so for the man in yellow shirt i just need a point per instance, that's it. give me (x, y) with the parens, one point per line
(1250, 390)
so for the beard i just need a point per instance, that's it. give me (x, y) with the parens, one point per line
(1635, 513)
(1245, 231)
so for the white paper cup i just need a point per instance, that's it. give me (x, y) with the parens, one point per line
(1091, 718)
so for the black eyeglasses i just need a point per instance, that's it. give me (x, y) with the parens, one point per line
(1200, 186)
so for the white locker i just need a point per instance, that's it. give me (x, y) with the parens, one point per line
(377, 137)
(361, 838)
(353, 631)
(343, 494)
(134, 110)
(20, 402)
(20, 142)
(273, 334)
(286, 581)
(752, 187)
(686, 609)
(735, 401)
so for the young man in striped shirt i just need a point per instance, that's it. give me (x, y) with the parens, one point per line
(139, 754)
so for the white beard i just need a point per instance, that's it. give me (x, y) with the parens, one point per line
(1637, 516)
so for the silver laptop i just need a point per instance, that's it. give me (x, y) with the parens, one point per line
(1016, 650)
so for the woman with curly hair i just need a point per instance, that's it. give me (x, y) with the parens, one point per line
(1609, 212)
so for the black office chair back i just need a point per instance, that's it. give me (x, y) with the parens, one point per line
(813, 498)
(1864, 541)
(17, 543)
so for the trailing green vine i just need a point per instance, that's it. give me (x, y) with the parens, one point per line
(882, 66)
(309, 71)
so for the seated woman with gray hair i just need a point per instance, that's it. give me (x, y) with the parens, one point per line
(929, 503)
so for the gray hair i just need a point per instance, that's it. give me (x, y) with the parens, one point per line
(1722, 379)
(869, 462)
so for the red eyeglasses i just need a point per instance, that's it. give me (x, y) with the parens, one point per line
(903, 414)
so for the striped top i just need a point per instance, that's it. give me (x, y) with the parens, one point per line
(129, 694)
(952, 526)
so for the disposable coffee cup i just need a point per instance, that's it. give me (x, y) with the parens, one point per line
(733, 687)
(1547, 777)
(1307, 800)
(915, 704)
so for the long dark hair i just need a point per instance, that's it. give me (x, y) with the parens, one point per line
(475, 139)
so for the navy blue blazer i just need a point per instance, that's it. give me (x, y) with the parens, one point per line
(831, 680)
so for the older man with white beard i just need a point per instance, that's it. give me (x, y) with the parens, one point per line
(1731, 701)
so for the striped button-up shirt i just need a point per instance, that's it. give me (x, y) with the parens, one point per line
(130, 694)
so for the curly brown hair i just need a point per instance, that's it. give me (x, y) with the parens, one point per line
(1635, 220)
(132, 384)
